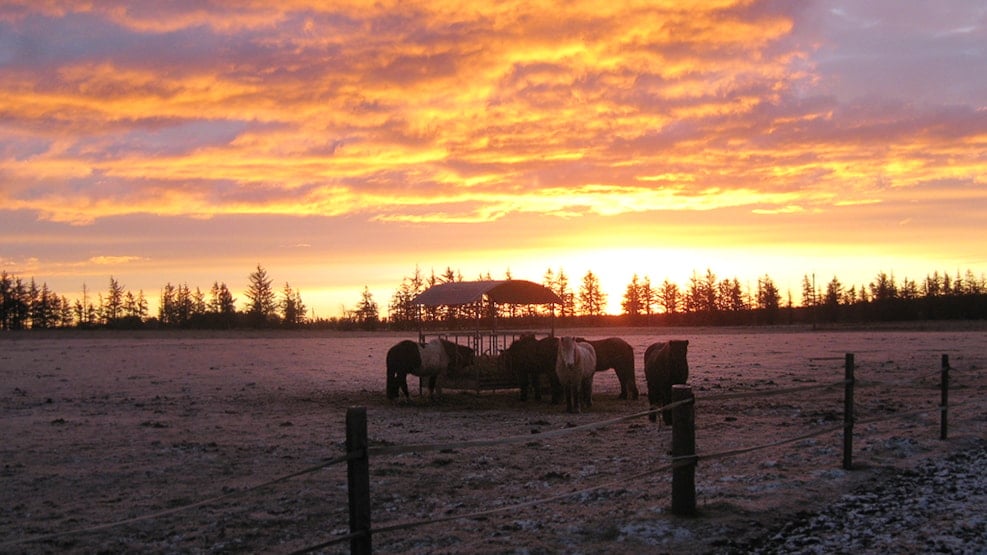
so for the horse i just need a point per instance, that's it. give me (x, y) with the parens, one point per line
(438, 356)
(575, 364)
(665, 365)
(618, 354)
(529, 358)
(547, 353)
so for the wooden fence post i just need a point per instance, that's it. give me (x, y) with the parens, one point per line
(358, 479)
(944, 398)
(848, 413)
(683, 452)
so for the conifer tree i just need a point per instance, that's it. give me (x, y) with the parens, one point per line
(592, 299)
(261, 305)
(632, 304)
(367, 314)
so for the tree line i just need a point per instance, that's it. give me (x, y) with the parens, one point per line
(705, 299)
(27, 305)
(708, 300)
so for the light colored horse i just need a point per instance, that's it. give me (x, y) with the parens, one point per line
(575, 364)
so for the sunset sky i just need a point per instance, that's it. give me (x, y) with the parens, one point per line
(342, 144)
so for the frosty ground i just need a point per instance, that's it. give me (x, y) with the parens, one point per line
(107, 428)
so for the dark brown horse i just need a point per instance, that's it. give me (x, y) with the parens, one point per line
(618, 354)
(665, 364)
(436, 357)
(530, 359)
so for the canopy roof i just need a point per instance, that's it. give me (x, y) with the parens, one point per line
(512, 291)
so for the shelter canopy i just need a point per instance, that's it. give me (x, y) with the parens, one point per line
(511, 291)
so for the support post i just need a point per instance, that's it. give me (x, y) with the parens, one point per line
(848, 413)
(683, 452)
(944, 398)
(358, 479)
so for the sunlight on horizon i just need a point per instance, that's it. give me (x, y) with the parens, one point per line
(616, 267)
(329, 289)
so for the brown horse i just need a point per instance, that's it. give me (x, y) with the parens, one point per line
(618, 354)
(665, 365)
(529, 359)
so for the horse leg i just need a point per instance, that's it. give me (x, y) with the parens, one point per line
(654, 397)
(666, 394)
(523, 383)
(633, 385)
(628, 386)
(587, 391)
(622, 378)
(393, 389)
(556, 386)
(403, 385)
(431, 386)
(654, 402)
(536, 381)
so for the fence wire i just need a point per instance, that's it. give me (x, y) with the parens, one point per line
(210, 501)
(770, 392)
(426, 447)
(487, 512)
(688, 459)
(396, 450)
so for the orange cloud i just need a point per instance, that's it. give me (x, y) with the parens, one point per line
(114, 260)
(425, 112)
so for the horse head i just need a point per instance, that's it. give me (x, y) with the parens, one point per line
(460, 356)
(568, 354)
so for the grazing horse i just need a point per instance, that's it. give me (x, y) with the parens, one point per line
(665, 365)
(438, 356)
(528, 358)
(547, 352)
(575, 364)
(618, 354)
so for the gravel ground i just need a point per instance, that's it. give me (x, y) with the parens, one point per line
(937, 507)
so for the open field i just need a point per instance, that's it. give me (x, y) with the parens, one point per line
(104, 427)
